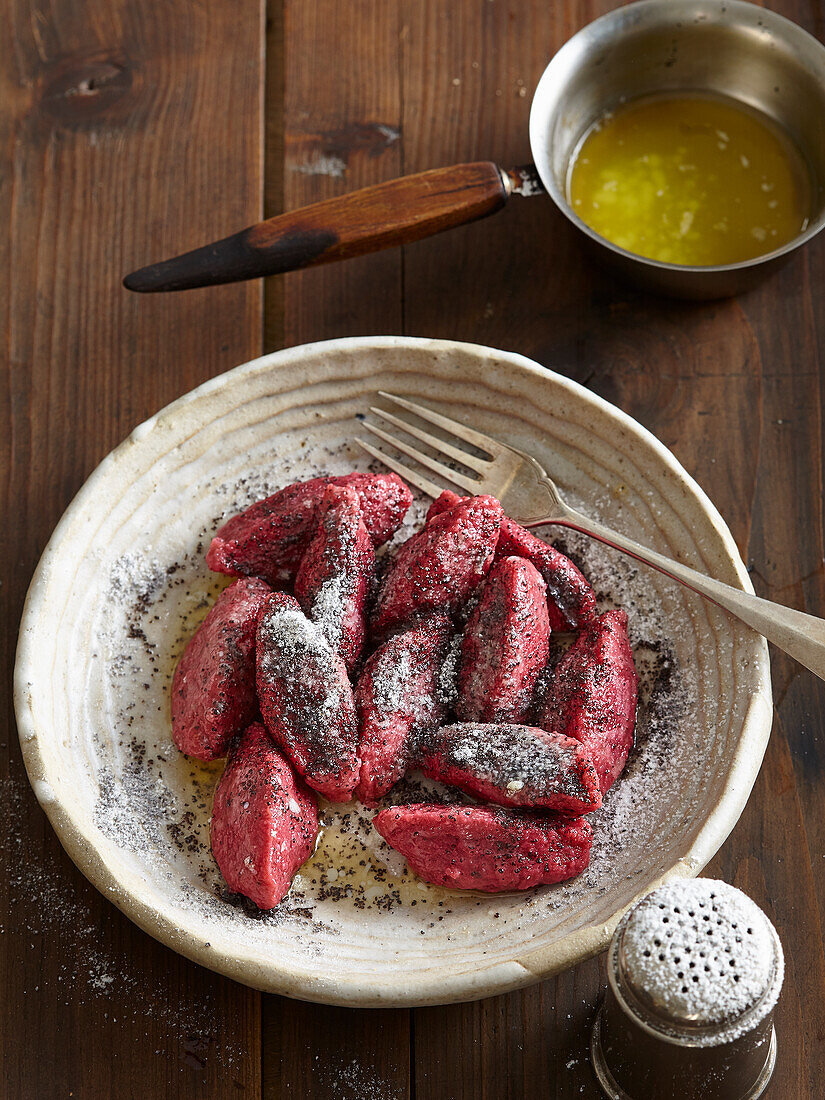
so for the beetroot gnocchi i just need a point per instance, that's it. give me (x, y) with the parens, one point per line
(337, 685)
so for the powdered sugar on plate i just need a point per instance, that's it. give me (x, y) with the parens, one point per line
(508, 757)
(152, 805)
(156, 803)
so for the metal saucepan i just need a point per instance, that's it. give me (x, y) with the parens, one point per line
(727, 47)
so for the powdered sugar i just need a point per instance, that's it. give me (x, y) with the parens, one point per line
(326, 609)
(702, 953)
(287, 632)
(393, 686)
(304, 693)
(354, 1081)
(354, 893)
(509, 757)
(447, 686)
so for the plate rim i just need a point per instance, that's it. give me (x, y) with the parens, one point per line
(500, 977)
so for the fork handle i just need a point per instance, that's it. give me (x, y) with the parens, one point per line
(794, 632)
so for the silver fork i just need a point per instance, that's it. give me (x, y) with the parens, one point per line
(532, 499)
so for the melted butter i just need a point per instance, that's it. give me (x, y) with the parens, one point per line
(689, 179)
(344, 870)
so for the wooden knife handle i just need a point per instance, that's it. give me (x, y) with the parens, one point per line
(387, 214)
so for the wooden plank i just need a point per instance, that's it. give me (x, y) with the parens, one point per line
(128, 130)
(274, 161)
(342, 111)
(341, 132)
(313, 1051)
(469, 74)
(786, 552)
(776, 851)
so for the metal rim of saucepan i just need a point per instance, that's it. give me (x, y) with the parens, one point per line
(579, 51)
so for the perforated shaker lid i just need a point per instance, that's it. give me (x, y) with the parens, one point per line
(697, 962)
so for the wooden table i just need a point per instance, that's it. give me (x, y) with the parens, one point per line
(132, 129)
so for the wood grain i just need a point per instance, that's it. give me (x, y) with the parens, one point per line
(340, 133)
(385, 215)
(129, 130)
(117, 132)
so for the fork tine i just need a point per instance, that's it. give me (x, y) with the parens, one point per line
(416, 479)
(469, 483)
(480, 465)
(469, 435)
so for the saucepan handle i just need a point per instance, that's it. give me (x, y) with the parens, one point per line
(387, 214)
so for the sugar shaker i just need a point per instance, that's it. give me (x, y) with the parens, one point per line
(694, 973)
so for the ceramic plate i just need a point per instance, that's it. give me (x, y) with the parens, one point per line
(122, 585)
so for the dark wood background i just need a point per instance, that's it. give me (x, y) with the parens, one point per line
(134, 129)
